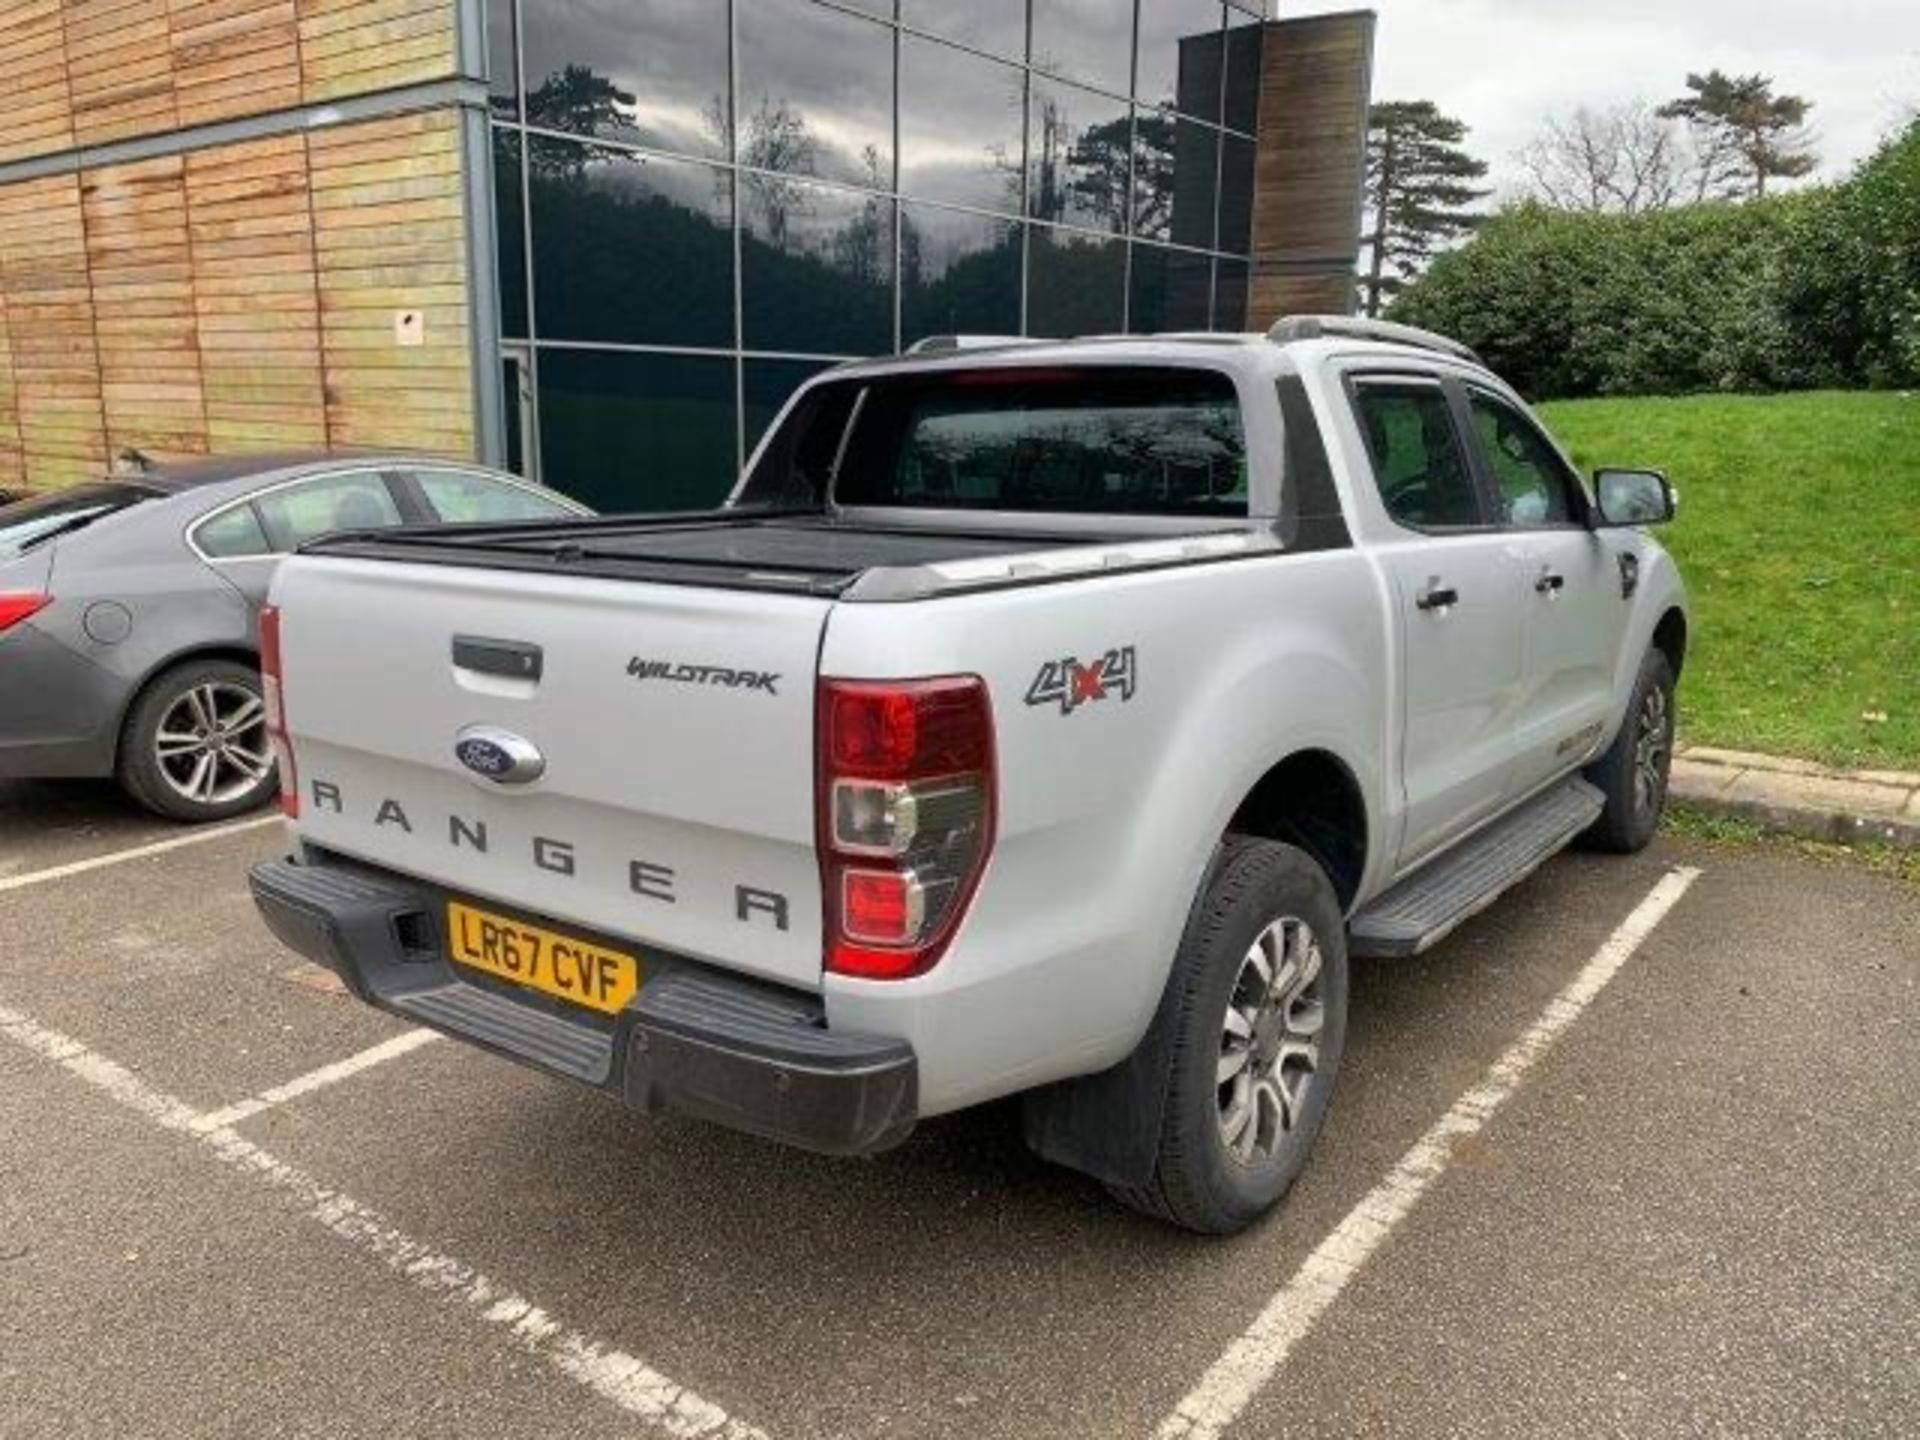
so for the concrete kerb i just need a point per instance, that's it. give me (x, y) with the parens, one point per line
(1799, 797)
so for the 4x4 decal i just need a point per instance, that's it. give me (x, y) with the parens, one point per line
(1071, 683)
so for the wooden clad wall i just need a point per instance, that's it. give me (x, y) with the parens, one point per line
(1315, 86)
(85, 72)
(240, 297)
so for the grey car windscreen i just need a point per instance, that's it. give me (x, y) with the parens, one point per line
(27, 523)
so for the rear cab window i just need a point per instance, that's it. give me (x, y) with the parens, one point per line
(27, 523)
(1097, 440)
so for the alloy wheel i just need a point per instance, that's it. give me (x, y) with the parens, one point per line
(211, 746)
(1652, 746)
(1270, 1040)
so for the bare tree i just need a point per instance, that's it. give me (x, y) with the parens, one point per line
(1624, 158)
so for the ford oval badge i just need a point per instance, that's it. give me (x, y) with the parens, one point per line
(499, 755)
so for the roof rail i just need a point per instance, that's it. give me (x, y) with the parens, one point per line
(1352, 327)
(933, 344)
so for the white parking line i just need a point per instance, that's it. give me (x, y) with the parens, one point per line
(623, 1379)
(137, 852)
(403, 1044)
(1253, 1360)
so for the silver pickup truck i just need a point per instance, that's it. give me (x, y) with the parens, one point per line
(1051, 719)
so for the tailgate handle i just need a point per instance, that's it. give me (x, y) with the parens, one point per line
(513, 658)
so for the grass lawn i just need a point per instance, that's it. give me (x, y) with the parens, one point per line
(1799, 534)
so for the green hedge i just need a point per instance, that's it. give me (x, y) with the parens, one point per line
(1818, 288)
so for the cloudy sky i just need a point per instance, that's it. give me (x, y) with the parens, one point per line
(1500, 65)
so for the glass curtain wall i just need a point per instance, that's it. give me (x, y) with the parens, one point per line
(703, 202)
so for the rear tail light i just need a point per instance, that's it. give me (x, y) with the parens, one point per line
(906, 778)
(18, 605)
(272, 696)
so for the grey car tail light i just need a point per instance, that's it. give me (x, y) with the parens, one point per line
(906, 800)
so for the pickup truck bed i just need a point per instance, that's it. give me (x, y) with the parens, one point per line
(810, 552)
(797, 552)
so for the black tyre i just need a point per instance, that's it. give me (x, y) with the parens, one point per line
(195, 746)
(1633, 772)
(1258, 1023)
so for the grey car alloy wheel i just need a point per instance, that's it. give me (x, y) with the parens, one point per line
(211, 745)
(1270, 1040)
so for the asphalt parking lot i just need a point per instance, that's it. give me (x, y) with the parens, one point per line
(1633, 1153)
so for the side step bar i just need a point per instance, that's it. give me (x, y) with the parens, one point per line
(1423, 909)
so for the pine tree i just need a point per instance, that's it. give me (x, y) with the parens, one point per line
(1744, 134)
(1420, 192)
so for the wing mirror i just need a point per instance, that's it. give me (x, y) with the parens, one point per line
(1633, 497)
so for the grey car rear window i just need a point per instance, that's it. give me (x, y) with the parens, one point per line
(233, 534)
(27, 523)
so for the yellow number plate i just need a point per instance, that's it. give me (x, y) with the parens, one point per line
(555, 964)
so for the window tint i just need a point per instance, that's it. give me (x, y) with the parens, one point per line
(232, 534)
(1136, 441)
(460, 497)
(1531, 479)
(1417, 460)
(25, 523)
(338, 502)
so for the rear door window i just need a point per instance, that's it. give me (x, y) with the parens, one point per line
(27, 523)
(1104, 441)
(463, 497)
(1419, 463)
(309, 509)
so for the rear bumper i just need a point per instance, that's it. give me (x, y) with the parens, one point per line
(694, 1040)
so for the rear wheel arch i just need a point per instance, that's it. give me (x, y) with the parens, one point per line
(1312, 801)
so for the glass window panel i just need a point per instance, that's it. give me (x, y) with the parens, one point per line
(816, 267)
(996, 26)
(1108, 440)
(1087, 40)
(1077, 152)
(630, 247)
(510, 218)
(650, 75)
(1236, 195)
(1175, 165)
(959, 274)
(1180, 47)
(1230, 295)
(767, 384)
(1243, 71)
(1076, 284)
(503, 84)
(232, 534)
(816, 92)
(299, 513)
(959, 127)
(1418, 462)
(460, 497)
(1169, 290)
(623, 431)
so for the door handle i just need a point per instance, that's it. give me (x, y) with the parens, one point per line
(1437, 596)
(1549, 583)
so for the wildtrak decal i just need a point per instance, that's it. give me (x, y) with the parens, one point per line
(1071, 683)
(720, 675)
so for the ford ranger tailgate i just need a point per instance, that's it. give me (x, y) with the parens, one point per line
(656, 743)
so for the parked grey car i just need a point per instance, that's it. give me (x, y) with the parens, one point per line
(128, 609)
